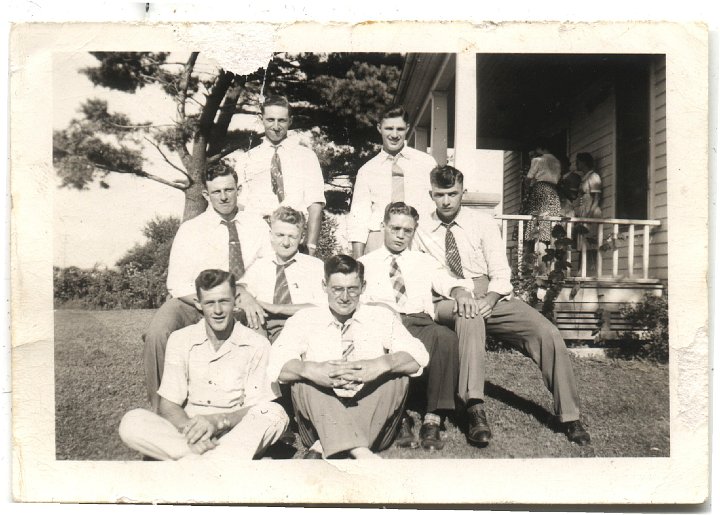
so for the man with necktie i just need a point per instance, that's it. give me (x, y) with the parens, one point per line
(220, 238)
(404, 280)
(469, 245)
(282, 172)
(277, 286)
(397, 174)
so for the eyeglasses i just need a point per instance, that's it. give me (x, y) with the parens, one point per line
(352, 291)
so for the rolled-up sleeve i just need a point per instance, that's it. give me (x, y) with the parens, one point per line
(496, 259)
(174, 385)
(259, 388)
(402, 341)
(290, 345)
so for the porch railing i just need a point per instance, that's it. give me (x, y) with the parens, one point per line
(619, 229)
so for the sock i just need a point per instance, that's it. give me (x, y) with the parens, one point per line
(473, 402)
(432, 418)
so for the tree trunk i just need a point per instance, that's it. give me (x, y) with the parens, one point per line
(195, 203)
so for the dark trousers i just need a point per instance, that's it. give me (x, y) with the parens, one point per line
(443, 369)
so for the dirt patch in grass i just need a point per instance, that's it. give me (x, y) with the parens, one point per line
(625, 406)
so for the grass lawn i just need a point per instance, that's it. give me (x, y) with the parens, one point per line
(98, 377)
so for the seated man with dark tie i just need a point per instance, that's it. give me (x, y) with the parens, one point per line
(348, 365)
(220, 238)
(404, 280)
(469, 244)
(276, 287)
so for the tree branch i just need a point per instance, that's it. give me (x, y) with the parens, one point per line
(180, 185)
(182, 98)
(166, 158)
(227, 111)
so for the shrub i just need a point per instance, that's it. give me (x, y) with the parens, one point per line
(650, 340)
(327, 245)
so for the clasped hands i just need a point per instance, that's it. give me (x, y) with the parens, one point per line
(346, 375)
(466, 305)
(200, 431)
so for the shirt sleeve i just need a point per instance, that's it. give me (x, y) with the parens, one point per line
(290, 345)
(442, 281)
(493, 250)
(180, 280)
(259, 388)
(251, 279)
(255, 240)
(595, 183)
(534, 168)
(314, 182)
(400, 340)
(360, 207)
(174, 385)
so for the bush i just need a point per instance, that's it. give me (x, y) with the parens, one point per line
(651, 338)
(327, 245)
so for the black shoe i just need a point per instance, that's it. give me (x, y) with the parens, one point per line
(406, 436)
(288, 437)
(576, 433)
(430, 437)
(478, 428)
(312, 454)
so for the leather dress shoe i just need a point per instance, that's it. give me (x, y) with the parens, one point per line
(406, 436)
(312, 454)
(478, 428)
(288, 437)
(430, 437)
(576, 433)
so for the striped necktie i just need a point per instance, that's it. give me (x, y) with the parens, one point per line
(276, 176)
(398, 284)
(282, 290)
(452, 256)
(398, 181)
(236, 266)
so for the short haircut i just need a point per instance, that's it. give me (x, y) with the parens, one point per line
(342, 264)
(275, 100)
(586, 158)
(219, 169)
(209, 279)
(395, 111)
(288, 215)
(400, 208)
(446, 177)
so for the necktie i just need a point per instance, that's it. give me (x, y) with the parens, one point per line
(235, 259)
(398, 283)
(452, 256)
(398, 181)
(282, 290)
(276, 177)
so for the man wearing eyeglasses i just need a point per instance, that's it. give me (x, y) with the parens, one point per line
(348, 365)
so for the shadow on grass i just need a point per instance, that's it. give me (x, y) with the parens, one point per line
(519, 403)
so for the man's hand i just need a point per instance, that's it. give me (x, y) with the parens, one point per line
(361, 371)
(487, 303)
(324, 374)
(465, 305)
(253, 311)
(203, 446)
(200, 428)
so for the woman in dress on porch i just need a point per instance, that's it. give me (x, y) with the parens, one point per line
(543, 200)
(587, 205)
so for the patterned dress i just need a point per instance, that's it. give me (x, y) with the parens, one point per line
(543, 198)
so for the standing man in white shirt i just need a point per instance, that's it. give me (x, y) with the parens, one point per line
(404, 280)
(220, 238)
(215, 396)
(397, 174)
(469, 245)
(278, 286)
(282, 172)
(348, 366)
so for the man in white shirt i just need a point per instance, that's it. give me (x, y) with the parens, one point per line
(348, 365)
(397, 174)
(220, 238)
(215, 396)
(282, 172)
(469, 245)
(276, 287)
(404, 280)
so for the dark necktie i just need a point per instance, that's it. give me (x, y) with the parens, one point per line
(398, 283)
(276, 177)
(235, 259)
(452, 256)
(282, 290)
(398, 181)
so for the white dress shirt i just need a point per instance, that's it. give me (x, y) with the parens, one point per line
(373, 188)
(304, 278)
(302, 178)
(216, 381)
(202, 243)
(421, 274)
(314, 334)
(479, 244)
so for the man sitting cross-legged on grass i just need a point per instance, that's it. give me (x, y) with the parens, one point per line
(276, 287)
(215, 396)
(349, 368)
(469, 244)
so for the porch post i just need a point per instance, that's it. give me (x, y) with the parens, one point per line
(465, 113)
(439, 117)
(421, 139)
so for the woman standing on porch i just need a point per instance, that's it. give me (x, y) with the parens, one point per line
(543, 200)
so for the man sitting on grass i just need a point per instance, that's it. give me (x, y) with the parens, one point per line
(215, 396)
(349, 368)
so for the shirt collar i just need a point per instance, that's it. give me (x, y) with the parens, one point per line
(267, 143)
(386, 254)
(388, 157)
(215, 216)
(199, 335)
(287, 263)
(459, 220)
(357, 317)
